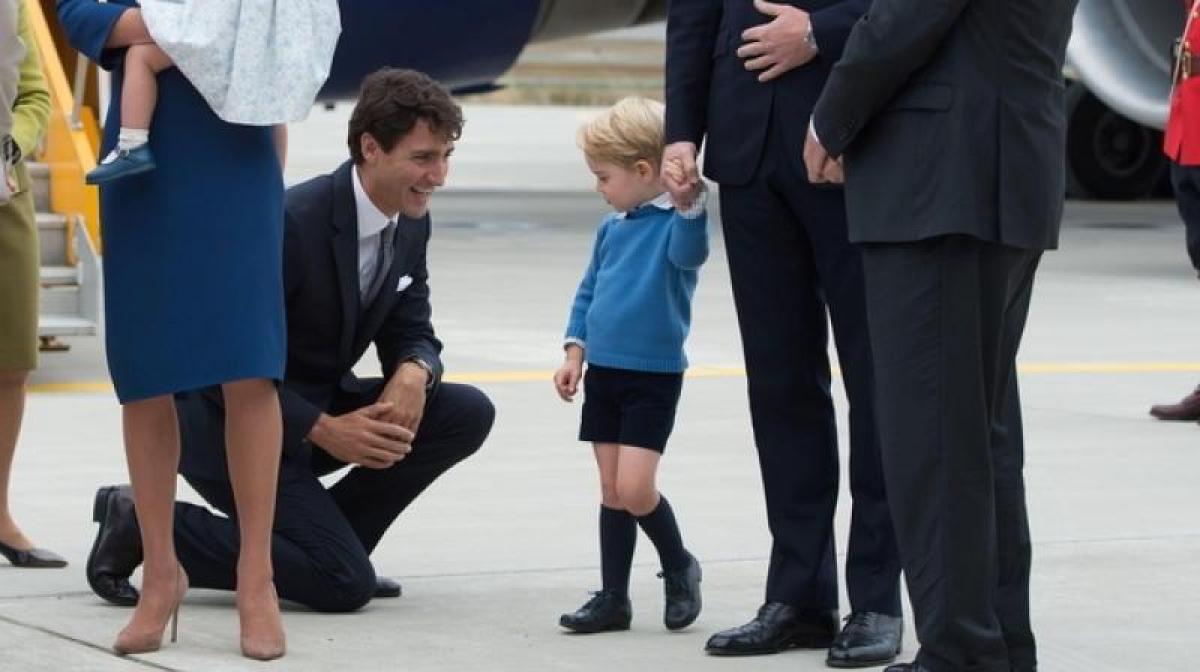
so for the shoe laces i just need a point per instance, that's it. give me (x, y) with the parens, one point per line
(598, 596)
(860, 619)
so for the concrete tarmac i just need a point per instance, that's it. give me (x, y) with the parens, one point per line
(499, 547)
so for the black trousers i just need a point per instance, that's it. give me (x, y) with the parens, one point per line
(790, 263)
(323, 537)
(1186, 181)
(947, 316)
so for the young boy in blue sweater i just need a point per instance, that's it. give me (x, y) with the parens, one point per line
(630, 317)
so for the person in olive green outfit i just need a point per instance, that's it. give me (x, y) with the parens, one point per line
(29, 112)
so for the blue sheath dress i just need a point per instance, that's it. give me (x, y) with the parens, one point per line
(193, 251)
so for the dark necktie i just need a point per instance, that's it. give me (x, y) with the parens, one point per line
(383, 259)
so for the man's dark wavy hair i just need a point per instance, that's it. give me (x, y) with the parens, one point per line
(390, 103)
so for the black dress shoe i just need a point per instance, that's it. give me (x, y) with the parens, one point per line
(777, 627)
(906, 667)
(604, 612)
(869, 638)
(682, 591)
(385, 587)
(117, 550)
(32, 558)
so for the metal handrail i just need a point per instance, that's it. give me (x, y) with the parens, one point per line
(78, 89)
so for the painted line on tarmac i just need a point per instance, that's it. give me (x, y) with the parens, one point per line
(545, 375)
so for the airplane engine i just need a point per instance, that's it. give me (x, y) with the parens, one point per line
(1120, 55)
(563, 18)
(465, 44)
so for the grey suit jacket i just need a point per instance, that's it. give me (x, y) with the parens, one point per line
(950, 117)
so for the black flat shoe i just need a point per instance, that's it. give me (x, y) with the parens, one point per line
(868, 639)
(117, 550)
(385, 587)
(681, 588)
(777, 627)
(605, 612)
(32, 558)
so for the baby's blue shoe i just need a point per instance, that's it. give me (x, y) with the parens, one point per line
(124, 164)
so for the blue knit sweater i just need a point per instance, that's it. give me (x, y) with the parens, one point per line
(633, 308)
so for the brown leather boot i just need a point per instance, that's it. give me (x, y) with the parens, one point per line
(1187, 409)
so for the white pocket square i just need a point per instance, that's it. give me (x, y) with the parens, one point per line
(405, 281)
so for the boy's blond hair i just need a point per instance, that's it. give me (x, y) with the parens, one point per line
(629, 131)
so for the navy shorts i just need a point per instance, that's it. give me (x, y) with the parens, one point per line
(632, 408)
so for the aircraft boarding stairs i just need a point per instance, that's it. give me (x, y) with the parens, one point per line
(71, 289)
(68, 211)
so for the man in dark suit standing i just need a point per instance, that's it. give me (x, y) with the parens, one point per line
(744, 76)
(949, 116)
(355, 274)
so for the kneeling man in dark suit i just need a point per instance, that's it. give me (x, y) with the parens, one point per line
(355, 274)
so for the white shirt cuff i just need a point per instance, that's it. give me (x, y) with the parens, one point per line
(698, 206)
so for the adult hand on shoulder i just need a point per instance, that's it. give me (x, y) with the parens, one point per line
(778, 45)
(363, 438)
(679, 173)
(406, 394)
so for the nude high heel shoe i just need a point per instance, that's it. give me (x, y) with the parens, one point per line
(268, 648)
(151, 640)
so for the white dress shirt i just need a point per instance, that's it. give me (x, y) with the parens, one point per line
(371, 223)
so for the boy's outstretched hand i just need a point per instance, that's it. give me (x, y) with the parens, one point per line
(566, 379)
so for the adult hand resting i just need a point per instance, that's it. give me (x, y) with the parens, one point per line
(362, 437)
(822, 168)
(778, 45)
(406, 394)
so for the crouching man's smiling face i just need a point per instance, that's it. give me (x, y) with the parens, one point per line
(404, 179)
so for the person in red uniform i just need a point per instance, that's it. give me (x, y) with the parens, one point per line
(1182, 145)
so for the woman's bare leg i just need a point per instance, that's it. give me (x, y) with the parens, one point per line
(152, 452)
(254, 440)
(12, 409)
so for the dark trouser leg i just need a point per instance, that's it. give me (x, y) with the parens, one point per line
(318, 560)
(872, 560)
(782, 320)
(457, 420)
(946, 316)
(1014, 547)
(1186, 181)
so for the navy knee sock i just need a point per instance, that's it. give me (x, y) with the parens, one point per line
(662, 529)
(618, 535)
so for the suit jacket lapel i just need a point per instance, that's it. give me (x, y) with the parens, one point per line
(345, 253)
(379, 308)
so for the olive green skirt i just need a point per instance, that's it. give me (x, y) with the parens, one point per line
(18, 279)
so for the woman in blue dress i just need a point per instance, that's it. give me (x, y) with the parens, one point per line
(193, 298)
